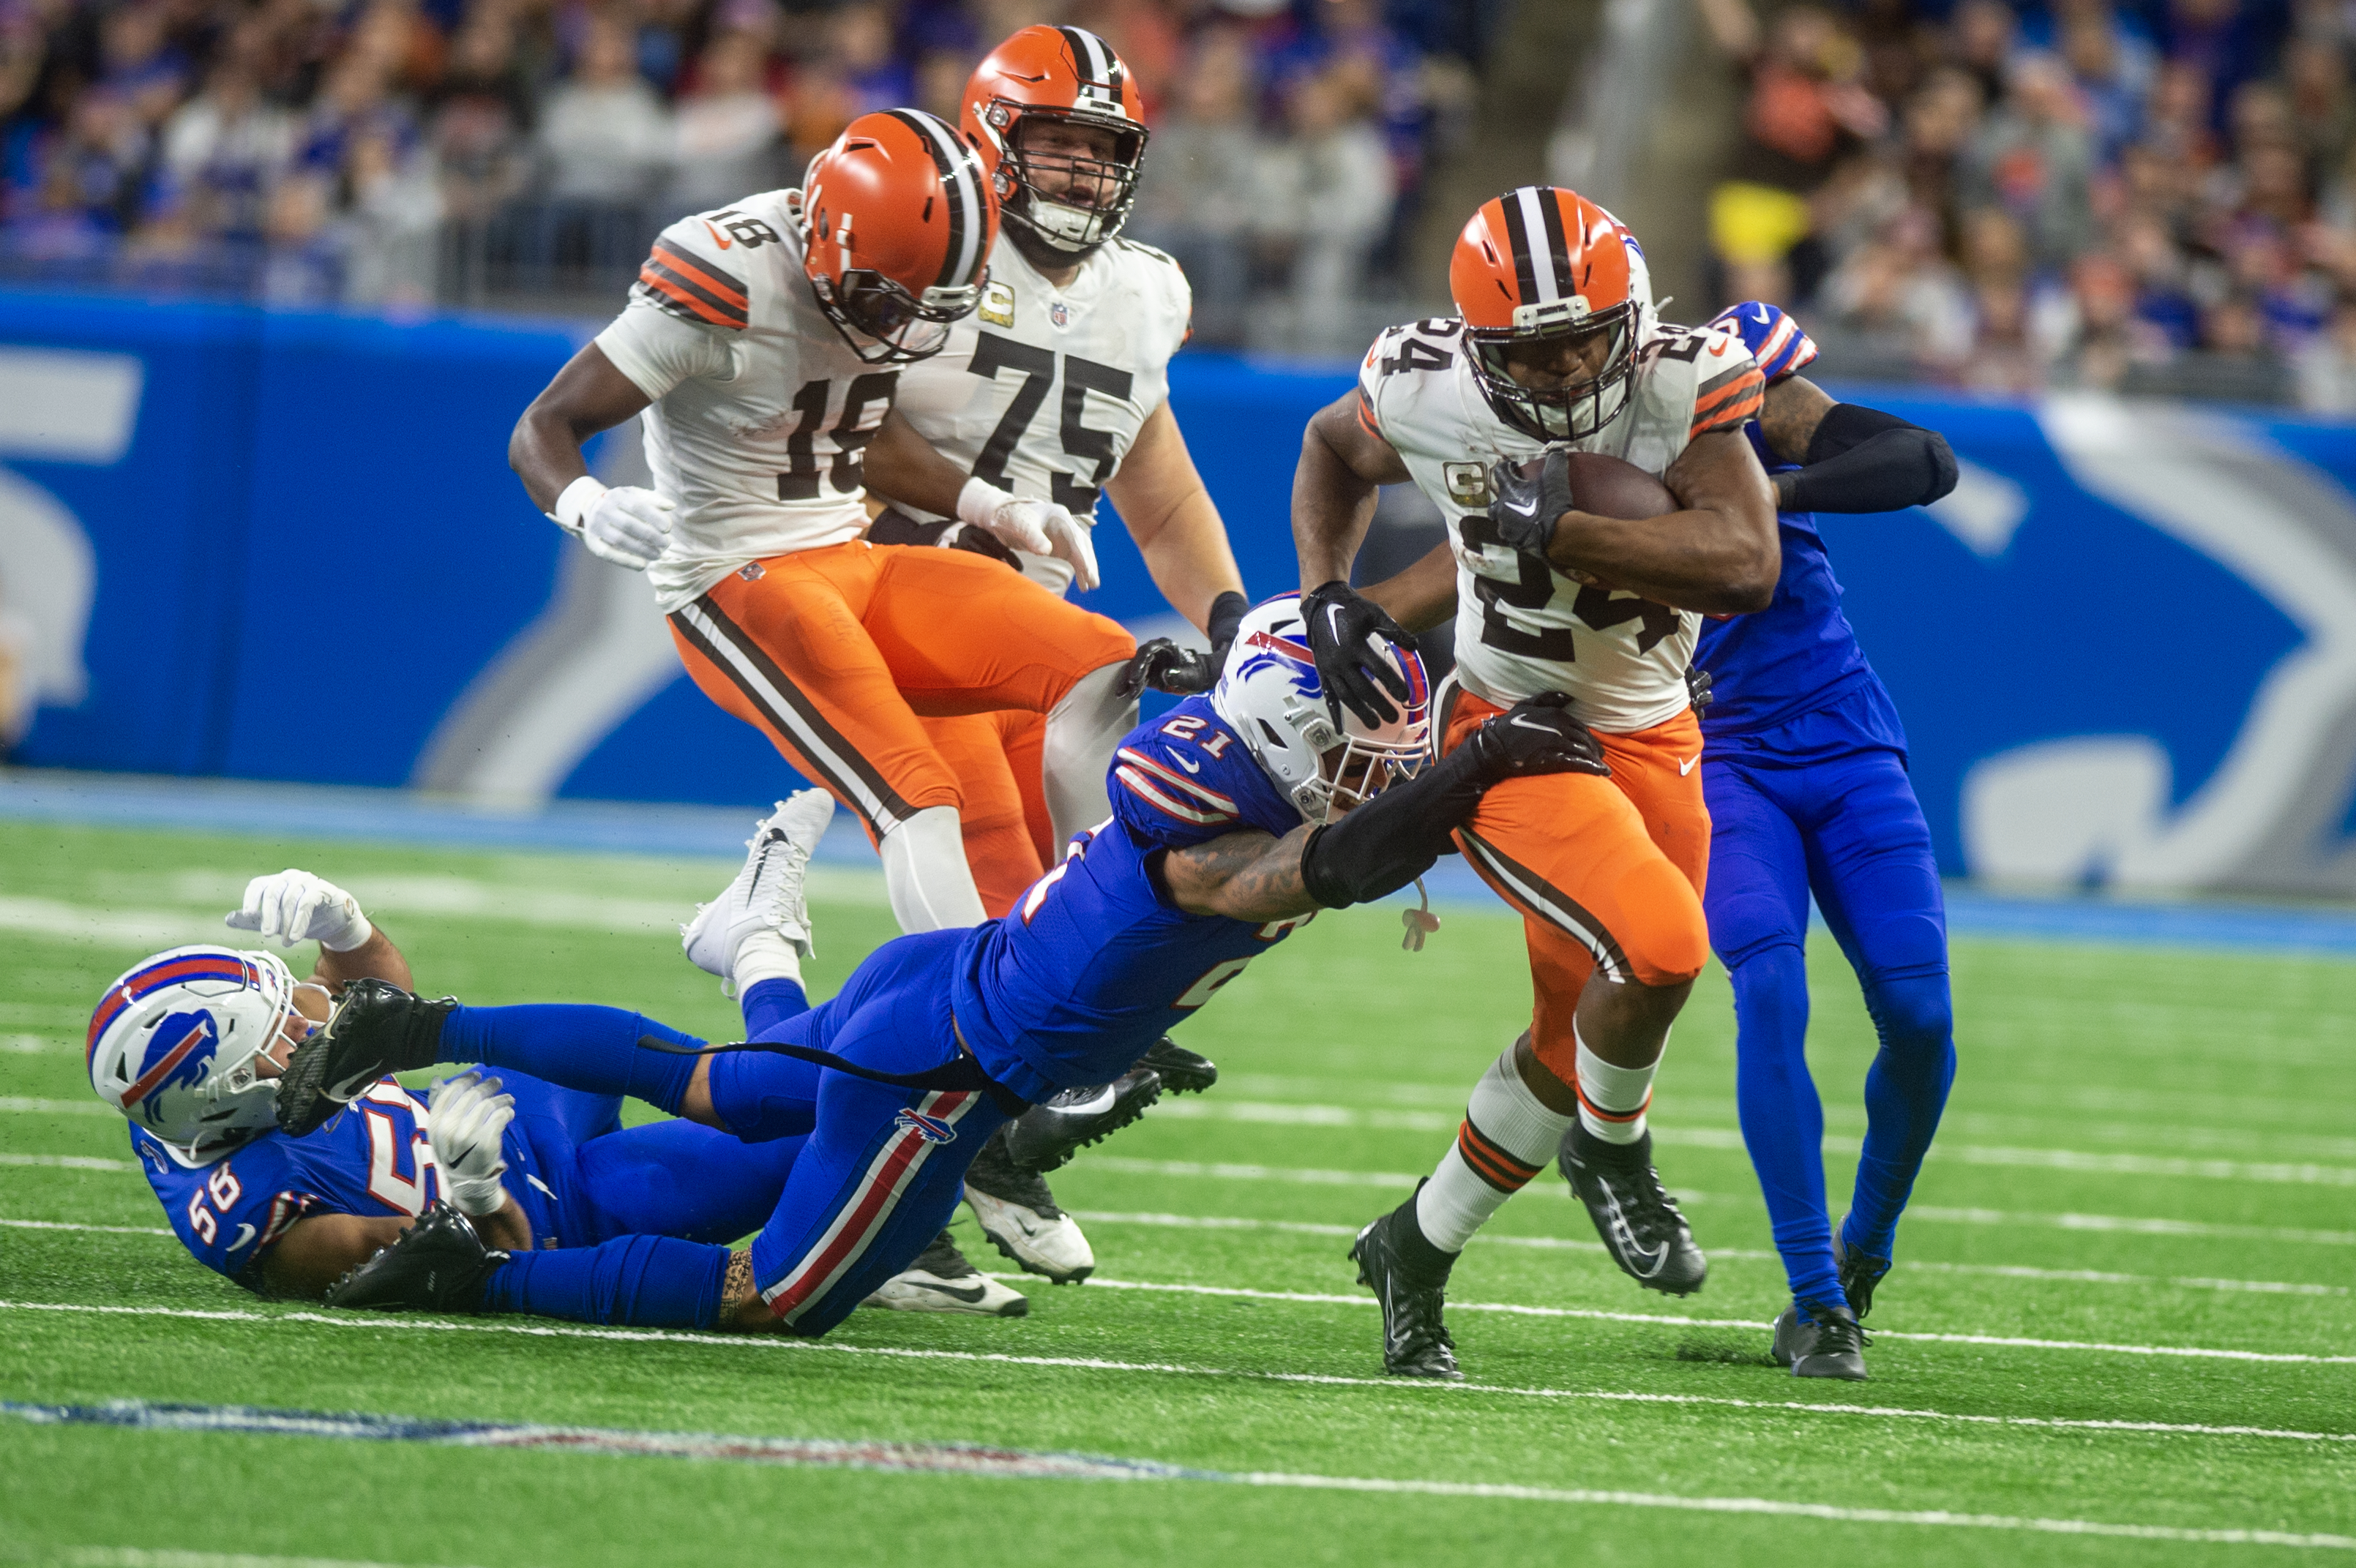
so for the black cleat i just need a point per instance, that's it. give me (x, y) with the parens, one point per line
(1639, 1221)
(1860, 1273)
(376, 1028)
(1824, 1343)
(1182, 1071)
(1020, 1217)
(1416, 1342)
(1051, 1132)
(439, 1264)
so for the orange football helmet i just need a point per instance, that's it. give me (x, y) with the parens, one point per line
(1540, 263)
(1067, 74)
(899, 219)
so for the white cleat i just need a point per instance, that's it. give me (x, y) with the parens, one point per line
(1020, 1217)
(940, 1280)
(767, 893)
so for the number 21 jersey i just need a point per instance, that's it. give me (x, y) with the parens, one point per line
(1523, 628)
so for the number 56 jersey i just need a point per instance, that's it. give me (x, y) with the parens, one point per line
(761, 412)
(1523, 628)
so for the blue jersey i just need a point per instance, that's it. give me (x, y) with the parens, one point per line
(1800, 654)
(373, 1160)
(1092, 965)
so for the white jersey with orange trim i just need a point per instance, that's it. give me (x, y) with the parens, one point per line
(761, 410)
(1521, 627)
(1042, 391)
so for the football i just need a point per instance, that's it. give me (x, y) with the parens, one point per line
(1609, 487)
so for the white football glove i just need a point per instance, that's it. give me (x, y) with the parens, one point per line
(1043, 527)
(296, 906)
(628, 525)
(469, 1116)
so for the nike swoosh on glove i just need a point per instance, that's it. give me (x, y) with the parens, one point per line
(1536, 735)
(1343, 627)
(1523, 511)
(469, 1116)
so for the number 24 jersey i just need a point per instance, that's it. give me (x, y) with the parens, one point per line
(1523, 628)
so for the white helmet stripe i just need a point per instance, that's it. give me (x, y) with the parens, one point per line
(960, 176)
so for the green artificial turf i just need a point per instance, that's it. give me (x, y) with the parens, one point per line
(2157, 1145)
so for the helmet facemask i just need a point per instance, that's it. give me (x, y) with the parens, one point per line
(223, 1024)
(884, 324)
(1323, 758)
(1068, 232)
(1605, 342)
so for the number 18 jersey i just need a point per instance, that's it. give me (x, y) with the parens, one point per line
(761, 411)
(1523, 628)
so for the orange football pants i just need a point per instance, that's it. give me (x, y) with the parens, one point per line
(1607, 873)
(837, 653)
(1009, 840)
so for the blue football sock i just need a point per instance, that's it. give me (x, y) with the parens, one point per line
(770, 1003)
(649, 1282)
(578, 1047)
(1783, 1119)
(1905, 1094)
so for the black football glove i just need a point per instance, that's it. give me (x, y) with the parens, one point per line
(1523, 512)
(1698, 695)
(1536, 735)
(1343, 627)
(1165, 667)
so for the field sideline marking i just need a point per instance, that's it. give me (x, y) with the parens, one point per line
(1676, 1320)
(1017, 1464)
(1414, 1387)
(1297, 1114)
(1559, 1244)
(1406, 1180)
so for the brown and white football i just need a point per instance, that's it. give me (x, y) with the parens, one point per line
(1609, 487)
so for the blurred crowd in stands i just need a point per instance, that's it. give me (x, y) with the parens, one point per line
(2066, 193)
(407, 151)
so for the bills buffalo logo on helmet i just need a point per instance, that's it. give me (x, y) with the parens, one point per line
(180, 1054)
(932, 1129)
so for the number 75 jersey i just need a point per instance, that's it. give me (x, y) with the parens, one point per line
(1521, 627)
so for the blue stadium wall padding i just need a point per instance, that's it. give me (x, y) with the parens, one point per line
(310, 549)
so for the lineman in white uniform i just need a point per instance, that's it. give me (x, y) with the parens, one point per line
(1555, 350)
(1058, 389)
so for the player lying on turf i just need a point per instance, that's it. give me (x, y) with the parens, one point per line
(1556, 347)
(1806, 776)
(190, 1045)
(1236, 818)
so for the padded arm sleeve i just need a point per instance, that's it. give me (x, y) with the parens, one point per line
(1384, 845)
(1862, 460)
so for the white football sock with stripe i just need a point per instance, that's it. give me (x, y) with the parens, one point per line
(1082, 730)
(1508, 1137)
(926, 875)
(1612, 1100)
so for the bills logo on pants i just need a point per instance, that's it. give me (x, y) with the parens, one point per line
(932, 1129)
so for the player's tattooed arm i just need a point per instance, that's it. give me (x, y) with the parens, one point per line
(1720, 555)
(1788, 417)
(589, 395)
(316, 1251)
(1249, 876)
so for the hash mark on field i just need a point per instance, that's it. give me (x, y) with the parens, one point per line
(1596, 1315)
(1411, 1386)
(140, 1557)
(1019, 1464)
(64, 1225)
(1564, 1244)
(68, 1161)
(20, 1104)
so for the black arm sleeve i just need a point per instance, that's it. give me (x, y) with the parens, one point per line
(1862, 460)
(1392, 840)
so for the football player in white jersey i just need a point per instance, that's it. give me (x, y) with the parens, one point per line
(1058, 389)
(763, 343)
(1556, 349)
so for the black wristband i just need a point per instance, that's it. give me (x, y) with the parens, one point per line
(1863, 460)
(1382, 846)
(1226, 617)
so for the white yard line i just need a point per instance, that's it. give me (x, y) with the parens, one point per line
(1016, 1465)
(1413, 1387)
(1669, 1134)
(20, 1104)
(66, 1225)
(67, 1162)
(1564, 1244)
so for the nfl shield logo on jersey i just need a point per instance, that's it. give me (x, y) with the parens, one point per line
(932, 1129)
(1058, 313)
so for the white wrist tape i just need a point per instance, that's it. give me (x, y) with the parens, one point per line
(976, 503)
(354, 935)
(573, 507)
(476, 1197)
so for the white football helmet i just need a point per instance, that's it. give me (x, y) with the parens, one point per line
(1270, 695)
(175, 1039)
